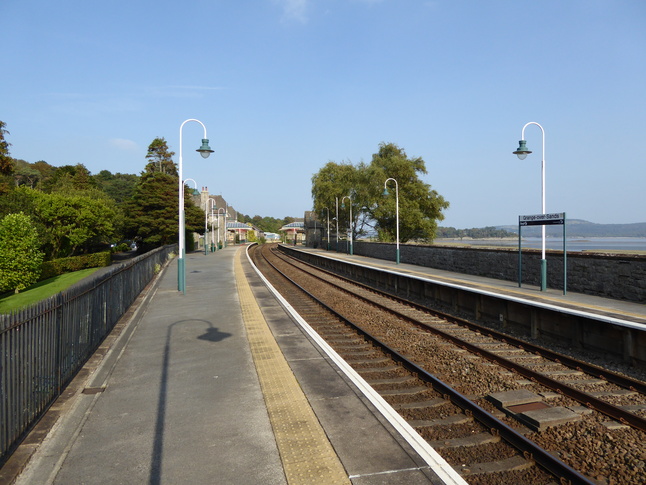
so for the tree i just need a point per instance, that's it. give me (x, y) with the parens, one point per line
(69, 177)
(6, 162)
(20, 258)
(46, 170)
(420, 207)
(118, 187)
(475, 232)
(25, 174)
(74, 223)
(19, 200)
(334, 182)
(153, 212)
(160, 158)
(251, 235)
(266, 224)
(68, 223)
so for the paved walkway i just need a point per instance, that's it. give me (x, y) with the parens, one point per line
(196, 389)
(173, 384)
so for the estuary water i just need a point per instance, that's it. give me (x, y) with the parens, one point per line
(572, 244)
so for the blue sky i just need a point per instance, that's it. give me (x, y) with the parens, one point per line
(284, 86)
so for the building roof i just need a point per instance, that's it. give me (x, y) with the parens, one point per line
(238, 225)
(220, 203)
(293, 226)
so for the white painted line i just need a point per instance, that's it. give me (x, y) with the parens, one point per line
(581, 313)
(443, 470)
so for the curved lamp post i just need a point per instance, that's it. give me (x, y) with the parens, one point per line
(218, 217)
(184, 185)
(522, 151)
(337, 223)
(205, 151)
(343, 206)
(396, 209)
(328, 228)
(206, 219)
(214, 246)
(225, 235)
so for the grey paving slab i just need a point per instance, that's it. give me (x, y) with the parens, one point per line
(545, 418)
(514, 397)
(182, 404)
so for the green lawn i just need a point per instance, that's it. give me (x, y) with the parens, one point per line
(42, 290)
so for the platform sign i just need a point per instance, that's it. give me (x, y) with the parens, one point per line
(555, 218)
(542, 219)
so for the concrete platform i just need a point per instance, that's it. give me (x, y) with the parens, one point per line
(602, 325)
(626, 311)
(221, 385)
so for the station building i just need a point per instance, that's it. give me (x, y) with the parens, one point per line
(221, 223)
(294, 232)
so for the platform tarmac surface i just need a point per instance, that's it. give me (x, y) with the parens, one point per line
(217, 386)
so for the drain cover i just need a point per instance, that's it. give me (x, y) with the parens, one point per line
(93, 390)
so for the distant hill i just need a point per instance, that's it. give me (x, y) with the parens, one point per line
(581, 228)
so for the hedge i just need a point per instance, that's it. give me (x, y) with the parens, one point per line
(67, 265)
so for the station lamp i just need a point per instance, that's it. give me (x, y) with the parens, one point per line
(522, 150)
(205, 149)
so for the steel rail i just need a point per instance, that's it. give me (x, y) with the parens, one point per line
(588, 400)
(530, 450)
(605, 374)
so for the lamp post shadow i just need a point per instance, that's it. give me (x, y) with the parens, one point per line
(212, 334)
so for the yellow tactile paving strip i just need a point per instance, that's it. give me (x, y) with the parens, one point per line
(306, 453)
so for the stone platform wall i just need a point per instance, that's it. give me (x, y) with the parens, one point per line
(622, 277)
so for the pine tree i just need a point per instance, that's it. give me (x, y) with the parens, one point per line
(160, 158)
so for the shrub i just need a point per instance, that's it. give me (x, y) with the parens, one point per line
(75, 263)
(20, 258)
(121, 248)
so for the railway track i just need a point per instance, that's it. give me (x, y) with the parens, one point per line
(403, 351)
(617, 396)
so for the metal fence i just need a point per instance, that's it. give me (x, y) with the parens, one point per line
(44, 346)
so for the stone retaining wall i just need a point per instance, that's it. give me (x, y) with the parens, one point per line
(622, 277)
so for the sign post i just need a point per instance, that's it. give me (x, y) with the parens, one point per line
(557, 218)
